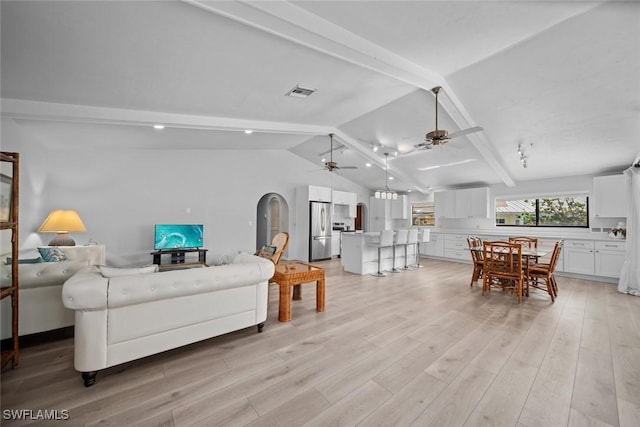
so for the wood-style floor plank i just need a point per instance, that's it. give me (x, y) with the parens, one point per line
(417, 348)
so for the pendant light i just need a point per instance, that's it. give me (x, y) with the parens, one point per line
(386, 193)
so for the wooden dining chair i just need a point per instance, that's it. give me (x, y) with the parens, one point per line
(529, 242)
(542, 274)
(526, 242)
(477, 256)
(503, 267)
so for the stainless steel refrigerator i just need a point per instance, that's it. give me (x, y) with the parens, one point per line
(319, 231)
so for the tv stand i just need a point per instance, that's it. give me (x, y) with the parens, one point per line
(178, 258)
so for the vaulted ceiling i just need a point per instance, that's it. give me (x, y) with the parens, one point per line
(560, 79)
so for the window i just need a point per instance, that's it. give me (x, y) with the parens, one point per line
(423, 214)
(563, 211)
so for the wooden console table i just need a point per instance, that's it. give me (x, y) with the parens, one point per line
(292, 274)
(178, 258)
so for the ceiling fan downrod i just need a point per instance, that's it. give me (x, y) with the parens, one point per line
(437, 136)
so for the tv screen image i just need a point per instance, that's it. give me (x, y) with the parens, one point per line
(178, 236)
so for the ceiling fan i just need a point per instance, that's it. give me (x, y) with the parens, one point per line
(331, 165)
(439, 136)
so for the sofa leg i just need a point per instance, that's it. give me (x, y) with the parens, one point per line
(260, 327)
(89, 378)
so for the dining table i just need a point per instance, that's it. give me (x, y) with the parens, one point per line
(528, 254)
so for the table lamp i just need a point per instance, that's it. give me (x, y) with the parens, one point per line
(62, 222)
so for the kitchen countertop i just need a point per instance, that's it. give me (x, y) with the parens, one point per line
(549, 234)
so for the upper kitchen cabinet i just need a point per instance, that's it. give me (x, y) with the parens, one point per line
(400, 207)
(319, 194)
(445, 204)
(472, 203)
(347, 199)
(466, 203)
(353, 205)
(609, 196)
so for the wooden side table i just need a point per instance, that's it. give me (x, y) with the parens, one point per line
(292, 274)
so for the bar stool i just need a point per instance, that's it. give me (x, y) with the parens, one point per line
(400, 240)
(425, 237)
(386, 241)
(412, 240)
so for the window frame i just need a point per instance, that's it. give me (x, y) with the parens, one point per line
(431, 213)
(537, 210)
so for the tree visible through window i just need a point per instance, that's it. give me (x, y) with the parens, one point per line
(564, 211)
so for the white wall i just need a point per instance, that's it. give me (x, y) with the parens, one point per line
(121, 193)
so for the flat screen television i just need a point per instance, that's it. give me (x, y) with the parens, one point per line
(178, 236)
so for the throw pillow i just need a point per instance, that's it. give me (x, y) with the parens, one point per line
(51, 254)
(116, 272)
(25, 260)
(267, 251)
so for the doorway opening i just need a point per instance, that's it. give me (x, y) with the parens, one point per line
(272, 217)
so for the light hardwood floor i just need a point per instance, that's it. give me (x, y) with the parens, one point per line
(416, 348)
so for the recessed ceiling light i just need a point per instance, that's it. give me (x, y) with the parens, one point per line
(368, 165)
(158, 126)
(409, 190)
(248, 131)
(375, 148)
(390, 177)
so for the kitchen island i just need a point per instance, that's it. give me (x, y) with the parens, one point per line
(360, 257)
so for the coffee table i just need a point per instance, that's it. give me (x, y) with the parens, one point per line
(292, 274)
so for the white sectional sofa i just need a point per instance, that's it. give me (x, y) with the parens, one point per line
(123, 318)
(40, 306)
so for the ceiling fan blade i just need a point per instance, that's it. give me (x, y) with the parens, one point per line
(417, 149)
(464, 132)
(346, 167)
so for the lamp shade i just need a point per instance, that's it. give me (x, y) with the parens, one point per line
(62, 222)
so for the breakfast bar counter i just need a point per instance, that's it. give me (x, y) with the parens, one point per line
(360, 256)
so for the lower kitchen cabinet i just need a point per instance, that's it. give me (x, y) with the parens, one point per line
(578, 256)
(434, 247)
(335, 243)
(599, 258)
(456, 247)
(609, 257)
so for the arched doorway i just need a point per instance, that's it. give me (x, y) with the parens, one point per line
(272, 217)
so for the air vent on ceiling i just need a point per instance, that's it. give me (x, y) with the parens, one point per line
(300, 92)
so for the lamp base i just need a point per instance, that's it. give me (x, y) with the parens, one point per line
(62, 239)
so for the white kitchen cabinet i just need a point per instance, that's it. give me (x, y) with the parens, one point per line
(445, 202)
(319, 194)
(477, 203)
(609, 196)
(465, 203)
(456, 247)
(345, 198)
(400, 208)
(353, 205)
(379, 214)
(579, 256)
(434, 247)
(609, 257)
(335, 243)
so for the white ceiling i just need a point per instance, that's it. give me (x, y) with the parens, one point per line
(560, 78)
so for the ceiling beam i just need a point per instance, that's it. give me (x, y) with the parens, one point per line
(291, 22)
(35, 110)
